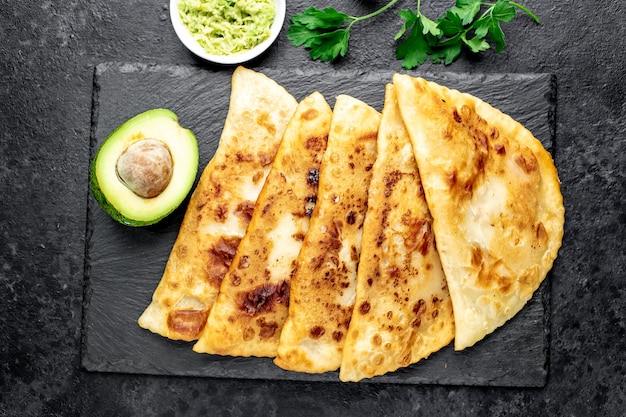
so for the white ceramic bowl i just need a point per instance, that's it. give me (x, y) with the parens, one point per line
(185, 37)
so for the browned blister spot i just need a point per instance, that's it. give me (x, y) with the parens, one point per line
(354, 254)
(309, 114)
(244, 210)
(542, 234)
(221, 213)
(316, 332)
(216, 192)
(263, 298)
(418, 310)
(456, 115)
(309, 205)
(493, 132)
(258, 176)
(451, 179)
(373, 135)
(248, 334)
(244, 157)
(235, 279)
(181, 251)
(264, 119)
(329, 248)
(477, 257)
(347, 312)
(244, 262)
(481, 139)
(490, 273)
(202, 203)
(405, 358)
(266, 158)
(267, 329)
(464, 187)
(390, 180)
(187, 323)
(337, 336)
(225, 248)
(394, 272)
(505, 283)
(420, 237)
(364, 307)
(219, 258)
(313, 177)
(527, 162)
(316, 143)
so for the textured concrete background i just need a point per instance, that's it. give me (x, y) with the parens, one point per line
(47, 55)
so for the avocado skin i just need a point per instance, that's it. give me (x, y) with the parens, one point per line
(100, 196)
(108, 207)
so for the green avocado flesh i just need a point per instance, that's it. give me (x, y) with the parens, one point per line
(145, 169)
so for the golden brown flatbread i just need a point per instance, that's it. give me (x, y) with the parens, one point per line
(252, 306)
(494, 194)
(220, 207)
(403, 310)
(323, 287)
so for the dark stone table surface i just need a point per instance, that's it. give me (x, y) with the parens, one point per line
(48, 52)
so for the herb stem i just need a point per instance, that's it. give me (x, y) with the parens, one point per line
(377, 12)
(525, 10)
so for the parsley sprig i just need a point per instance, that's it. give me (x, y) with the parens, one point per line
(326, 32)
(470, 24)
(474, 25)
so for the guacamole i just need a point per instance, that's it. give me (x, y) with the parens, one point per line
(227, 27)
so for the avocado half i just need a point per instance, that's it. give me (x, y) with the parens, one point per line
(145, 168)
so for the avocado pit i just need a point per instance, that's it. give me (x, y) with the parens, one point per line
(146, 167)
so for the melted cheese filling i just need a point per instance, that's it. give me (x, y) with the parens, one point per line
(484, 210)
(282, 256)
(248, 190)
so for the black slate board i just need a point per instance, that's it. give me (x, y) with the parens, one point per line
(124, 265)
